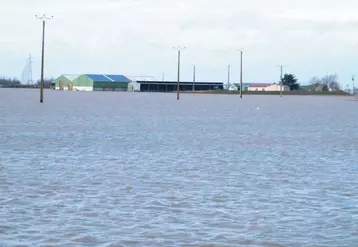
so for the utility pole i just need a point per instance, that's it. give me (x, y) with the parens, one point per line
(194, 71)
(241, 55)
(179, 49)
(281, 77)
(162, 77)
(281, 81)
(228, 77)
(353, 85)
(43, 18)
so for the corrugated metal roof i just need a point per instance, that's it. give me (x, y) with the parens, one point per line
(120, 78)
(260, 85)
(108, 78)
(141, 78)
(97, 77)
(71, 77)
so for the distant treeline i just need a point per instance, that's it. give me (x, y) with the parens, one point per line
(9, 82)
(47, 82)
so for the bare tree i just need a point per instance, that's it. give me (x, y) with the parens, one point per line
(326, 83)
(315, 80)
(331, 81)
(316, 83)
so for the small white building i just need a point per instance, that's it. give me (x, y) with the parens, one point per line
(234, 88)
(277, 88)
(133, 86)
(268, 87)
(257, 87)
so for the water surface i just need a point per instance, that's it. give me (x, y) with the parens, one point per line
(141, 169)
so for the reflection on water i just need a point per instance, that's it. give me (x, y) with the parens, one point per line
(136, 169)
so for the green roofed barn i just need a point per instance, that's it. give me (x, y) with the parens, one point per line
(62, 82)
(100, 82)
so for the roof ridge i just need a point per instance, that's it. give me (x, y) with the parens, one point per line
(109, 78)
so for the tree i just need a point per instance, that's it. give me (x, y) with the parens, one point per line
(47, 82)
(8, 81)
(332, 82)
(291, 81)
(316, 84)
(326, 83)
(325, 88)
(315, 81)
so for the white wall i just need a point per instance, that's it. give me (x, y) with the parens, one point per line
(234, 88)
(134, 85)
(82, 88)
(77, 88)
(256, 88)
(58, 88)
(271, 88)
(277, 88)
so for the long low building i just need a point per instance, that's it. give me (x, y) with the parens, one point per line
(171, 86)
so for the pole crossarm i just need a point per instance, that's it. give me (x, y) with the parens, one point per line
(43, 17)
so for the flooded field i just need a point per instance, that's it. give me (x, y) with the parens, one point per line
(138, 169)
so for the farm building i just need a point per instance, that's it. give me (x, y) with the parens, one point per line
(276, 88)
(134, 86)
(96, 82)
(257, 86)
(172, 86)
(236, 86)
(267, 87)
(104, 82)
(62, 82)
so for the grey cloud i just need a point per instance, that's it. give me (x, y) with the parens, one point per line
(89, 31)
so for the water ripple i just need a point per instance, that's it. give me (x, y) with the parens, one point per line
(122, 169)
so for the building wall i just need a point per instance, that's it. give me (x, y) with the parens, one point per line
(82, 83)
(62, 79)
(277, 88)
(134, 86)
(256, 88)
(270, 88)
(171, 86)
(82, 88)
(110, 86)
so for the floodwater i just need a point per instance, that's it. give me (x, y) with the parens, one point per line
(142, 169)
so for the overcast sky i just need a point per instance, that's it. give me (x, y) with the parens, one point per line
(136, 37)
